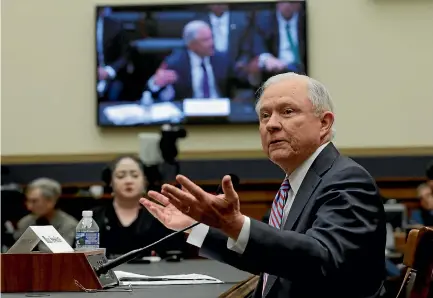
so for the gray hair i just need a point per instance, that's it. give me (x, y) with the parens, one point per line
(317, 93)
(50, 189)
(190, 30)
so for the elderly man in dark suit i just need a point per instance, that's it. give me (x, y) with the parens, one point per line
(326, 233)
(197, 71)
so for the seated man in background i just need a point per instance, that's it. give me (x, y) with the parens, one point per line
(232, 31)
(279, 42)
(198, 71)
(42, 195)
(424, 215)
(111, 48)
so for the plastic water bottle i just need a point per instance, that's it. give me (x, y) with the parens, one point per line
(87, 233)
(146, 103)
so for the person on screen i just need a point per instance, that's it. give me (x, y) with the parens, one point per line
(123, 224)
(41, 199)
(424, 215)
(327, 230)
(111, 49)
(279, 41)
(232, 32)
(198, 71)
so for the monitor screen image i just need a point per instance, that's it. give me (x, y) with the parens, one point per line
(192, 63)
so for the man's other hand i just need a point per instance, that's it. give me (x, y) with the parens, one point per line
(166, 213)
(164, 77)
(218, 211)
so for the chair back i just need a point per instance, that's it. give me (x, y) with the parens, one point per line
(418, 258)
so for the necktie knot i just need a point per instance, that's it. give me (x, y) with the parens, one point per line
(285, 185)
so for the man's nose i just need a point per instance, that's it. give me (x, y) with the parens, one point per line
(274, 123)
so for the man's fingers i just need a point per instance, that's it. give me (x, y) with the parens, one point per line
(183, 201)
(158, 197)
(156, 210)
(191, 187)
(228, 188)
(182, 197)
(184, 189)
(170, 196)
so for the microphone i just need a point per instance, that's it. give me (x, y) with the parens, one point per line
(104, 268)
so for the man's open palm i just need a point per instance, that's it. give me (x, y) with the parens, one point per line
(166, 213)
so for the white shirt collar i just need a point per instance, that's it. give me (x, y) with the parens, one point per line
(196, 60)
(292, 22)
(298, 175)
(221, 20)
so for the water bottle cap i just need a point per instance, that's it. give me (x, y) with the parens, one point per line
(87, 213)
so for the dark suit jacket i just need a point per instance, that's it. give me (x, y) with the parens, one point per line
(115, 44)
(333, 241)
(179, 61)
(240, 36)
(267, 37)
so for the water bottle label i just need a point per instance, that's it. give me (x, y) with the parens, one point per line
(87, 239)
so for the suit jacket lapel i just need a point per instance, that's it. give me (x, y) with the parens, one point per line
(320, 166)
(188, 76)
(276, 35)
(269, 283)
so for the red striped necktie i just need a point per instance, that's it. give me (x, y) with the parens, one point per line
(277, 213)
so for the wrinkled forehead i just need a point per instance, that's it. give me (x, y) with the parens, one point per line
(294, 91)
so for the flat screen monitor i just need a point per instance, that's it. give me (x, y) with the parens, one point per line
(396, 215)
(192, 63)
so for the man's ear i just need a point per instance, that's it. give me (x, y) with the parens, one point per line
(327, 122)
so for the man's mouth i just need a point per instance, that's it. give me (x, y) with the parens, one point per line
(275, 142)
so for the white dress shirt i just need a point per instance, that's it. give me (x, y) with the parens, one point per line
(220, 29)
(285, 52)
(198, 233)
(197, 79)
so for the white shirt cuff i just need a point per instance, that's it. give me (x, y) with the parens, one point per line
(197, 235)
(262, 59)
(111, 72)
(240, 245)
(152, 86)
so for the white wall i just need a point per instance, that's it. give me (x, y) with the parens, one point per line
(376, 57)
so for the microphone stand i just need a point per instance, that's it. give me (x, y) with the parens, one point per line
(104, 268)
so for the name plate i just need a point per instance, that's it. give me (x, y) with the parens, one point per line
(34, 234)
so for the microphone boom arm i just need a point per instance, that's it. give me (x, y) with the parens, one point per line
(104, 268)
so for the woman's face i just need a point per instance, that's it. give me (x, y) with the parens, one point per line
(128, 179)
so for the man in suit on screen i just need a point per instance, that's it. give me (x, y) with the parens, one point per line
(232, 32)
(111, 49)
(197, 71)
(326, 232)
(279, 41)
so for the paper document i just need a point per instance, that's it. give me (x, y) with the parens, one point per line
(127, 278)
(132, 114)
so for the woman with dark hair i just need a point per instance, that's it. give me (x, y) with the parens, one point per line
(124, 225)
